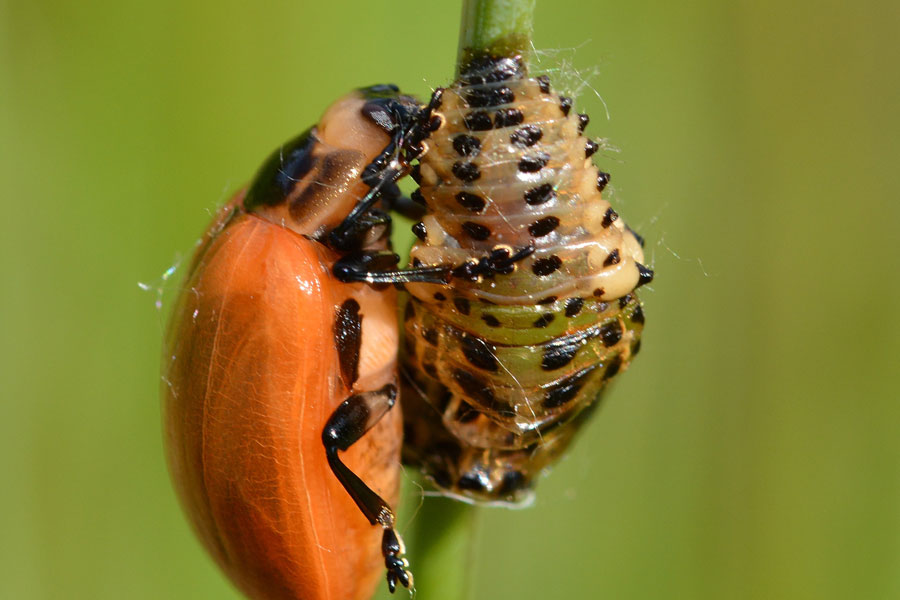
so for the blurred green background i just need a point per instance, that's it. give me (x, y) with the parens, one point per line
(752, 452)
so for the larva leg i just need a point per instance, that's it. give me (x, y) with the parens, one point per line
(347, 424)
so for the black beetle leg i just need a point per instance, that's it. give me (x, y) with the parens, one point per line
(378, 267)
(347, 424)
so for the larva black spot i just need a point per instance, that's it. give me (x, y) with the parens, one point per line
(602, 180)
(416, 262)
(490, 320)
(474, 386)
(419, 230)
(544, 320)
(636, 347)
(479, 353)
(533, 163)
(573, 306)
(409, 312)
(645, 275)
(466, 171)
(590, 148)
(565, 104)
(512, 481)
(609, 217)
(508, 117)
(416, 174)
(466, 145)
(476, 231)
(560, 352)
(478, 121)
(637, 236)
(544, 226)
(624, 300)
(348, 340)
(544, 83)
(472, 202)
(526, 136)
(548, 300)
(566, 388)
(540, 194)
(435, 123)
(439, 296)
(638, 315)
(431, 336)
(489, 96)
(465, 413)
(430, 370)
(583, 121)
(471, 482)
(612, 259)
(611, 333)
(462, 305)
(613, 368)
(545, 266)
(598, 292)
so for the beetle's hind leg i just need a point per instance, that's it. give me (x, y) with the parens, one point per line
(347, 424)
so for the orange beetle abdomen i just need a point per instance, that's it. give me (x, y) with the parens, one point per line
(253, 377)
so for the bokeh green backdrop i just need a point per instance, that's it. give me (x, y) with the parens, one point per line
(753, 451)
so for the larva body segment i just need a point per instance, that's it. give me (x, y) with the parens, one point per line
(510, 359)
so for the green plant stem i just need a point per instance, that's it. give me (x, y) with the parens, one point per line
(441, 549)
(496, 28)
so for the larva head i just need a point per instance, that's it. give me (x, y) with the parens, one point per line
(311, 183)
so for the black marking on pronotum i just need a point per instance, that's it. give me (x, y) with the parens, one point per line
(583, 121)
(348, 340)
(548, 300)
(565, 104)
(466, 145)
(462, 305)
(544, 226)
(420, 231)
(609, 217)
(545, 266)
(478, 120)
(544, 83)
(439, 296)
(283, 170)
(540, 194)
(565, 389)
(431, 336)
(645, 275)
(612, 259)
(479, 353)
(573, 306)
(475, 231)
(590, 148)
(490, 320)
(466, 171)
(474, 386)
(472, 202)
(544, 320)
(602, 180)
(611, 333)
(508, 117)
(534, 162)
(526, 136)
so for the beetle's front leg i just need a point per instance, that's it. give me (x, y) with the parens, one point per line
(347, 424)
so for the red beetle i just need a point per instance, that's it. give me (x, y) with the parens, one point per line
(281, 353)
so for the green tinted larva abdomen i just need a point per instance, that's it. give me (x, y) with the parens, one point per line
(507, 362)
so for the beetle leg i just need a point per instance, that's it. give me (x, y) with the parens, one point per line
(347, 424)
(378, 267)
